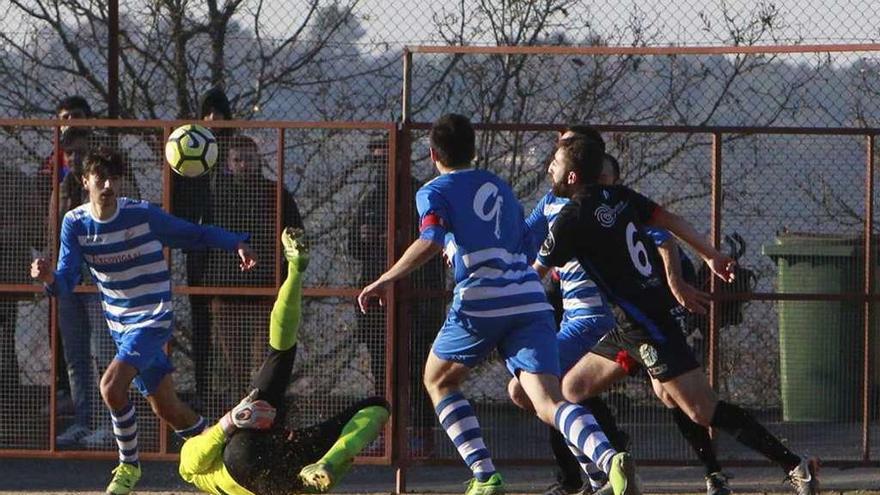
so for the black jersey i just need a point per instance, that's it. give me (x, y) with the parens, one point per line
(603, 228)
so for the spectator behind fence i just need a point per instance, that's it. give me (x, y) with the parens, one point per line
(74, 322)
(244, 200)
(21, 214)
(192, 201)
(68, 108)
(77, 392)
(366, 243)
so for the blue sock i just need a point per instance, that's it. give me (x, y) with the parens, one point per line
(125, 430)
(595, 475)
(579, 427)
(193, 430)
(457, 417)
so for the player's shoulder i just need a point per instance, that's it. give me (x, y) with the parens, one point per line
(77, 214)
(133, 204)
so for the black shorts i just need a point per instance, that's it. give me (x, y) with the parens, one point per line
(654, 339)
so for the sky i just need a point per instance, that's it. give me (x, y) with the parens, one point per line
(400, 22)
(836, 21)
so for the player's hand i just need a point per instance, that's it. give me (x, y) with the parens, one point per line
(247, 256)
(253, 414)
(40, 270)
(377, 289)
(722, 266)
(695, 300)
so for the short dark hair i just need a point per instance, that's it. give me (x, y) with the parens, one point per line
(584, 156)
(215, 100)
(453, 139)
(104, 161)
(585, 131)
(615, 165)
(73, 134)
(74, 102)
(241, 142)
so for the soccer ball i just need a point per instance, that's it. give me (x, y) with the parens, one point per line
(191, 150)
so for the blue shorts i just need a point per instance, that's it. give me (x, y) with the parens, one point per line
(144, 349)
(526, 342)
(578, 336)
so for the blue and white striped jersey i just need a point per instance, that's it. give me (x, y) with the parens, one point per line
(124, 255)
(581, 298)
(494, 250)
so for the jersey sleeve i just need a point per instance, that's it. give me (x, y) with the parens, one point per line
(67, 272)
(559, 247)
(658, 235)
(537, 224)
(433, 215)
(201, 458)
(644, 206)
(178, 233)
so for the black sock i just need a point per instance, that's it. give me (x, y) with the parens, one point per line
(698, 438)
(742, 426)
(569, 469)
(618, 438)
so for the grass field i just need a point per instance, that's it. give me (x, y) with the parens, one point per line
(51, 477)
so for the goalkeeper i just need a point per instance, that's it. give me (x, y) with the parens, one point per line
(248, 452)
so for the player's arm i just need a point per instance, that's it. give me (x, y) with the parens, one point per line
(417, 254)
(433, 227)
(201, 458)
(67, 273)
(178, 233)
(687, 295)
(202, 454)
(720, 264)
(537, 225)
(540, 268)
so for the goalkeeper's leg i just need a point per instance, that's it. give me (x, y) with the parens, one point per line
(273, 377)
(353, 430)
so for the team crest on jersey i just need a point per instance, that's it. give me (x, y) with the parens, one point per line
(548, 245)
(607, 215)
(649, 354)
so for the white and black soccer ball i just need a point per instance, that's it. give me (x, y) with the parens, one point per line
(191, 150)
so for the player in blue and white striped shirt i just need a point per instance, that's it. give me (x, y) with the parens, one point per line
(499, 303)
(121, 241)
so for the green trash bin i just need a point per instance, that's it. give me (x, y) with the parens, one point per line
(820, 342)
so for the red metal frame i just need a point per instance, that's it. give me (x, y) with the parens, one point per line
(399, 207)
(868, 305)
(641, 50)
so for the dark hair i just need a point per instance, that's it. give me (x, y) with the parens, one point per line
(584, 156)
(585, 131)
(243, 143)
(615, 165)
(73, 134)
(74, 102)
(104, 161)
(215, 100)
(452, 138)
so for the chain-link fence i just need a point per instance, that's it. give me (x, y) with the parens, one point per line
(286, 59)
(789, 345)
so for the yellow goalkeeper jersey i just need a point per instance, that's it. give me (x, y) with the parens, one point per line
(201, 463)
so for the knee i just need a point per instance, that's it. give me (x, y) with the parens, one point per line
(664, 397)
(576, 389)
(110, 392)
(700, 413)
(437, 380)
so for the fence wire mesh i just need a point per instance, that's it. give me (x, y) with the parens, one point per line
(310, 60)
